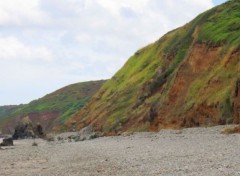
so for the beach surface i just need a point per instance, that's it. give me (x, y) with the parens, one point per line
(187, 152)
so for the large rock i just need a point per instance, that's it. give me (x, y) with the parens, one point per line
(39, 130)
(7, 142)
(26, 129)
(23, 131)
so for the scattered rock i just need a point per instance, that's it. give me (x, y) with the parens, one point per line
(178, 132)
(34, 144)
(86, 133)
(127, 133)
(59, 138)
(49, 138)
(231, 130)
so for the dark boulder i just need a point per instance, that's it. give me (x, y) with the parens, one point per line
(39, 130)
(23, 131)
(26, 129)
(7, 142)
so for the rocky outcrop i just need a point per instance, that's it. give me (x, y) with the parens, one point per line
(26, 129)
(7, 142)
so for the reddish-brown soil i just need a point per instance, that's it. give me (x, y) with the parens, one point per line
(46, 120)
(200, 59)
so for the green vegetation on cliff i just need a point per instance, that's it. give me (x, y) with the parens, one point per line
(6, 111)
(186, 78)
(64, 102)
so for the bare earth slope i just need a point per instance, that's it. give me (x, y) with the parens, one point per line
(191, 152)
(189, 77)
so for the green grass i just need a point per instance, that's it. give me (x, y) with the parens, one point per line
(65, 101)
(148, 76)
(6, 111)
(223, 27)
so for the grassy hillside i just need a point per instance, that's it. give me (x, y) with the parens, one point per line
(6, 111)
(189, 77)
(55, 108)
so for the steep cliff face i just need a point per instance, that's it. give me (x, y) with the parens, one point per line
(190, 77)
(51, 110)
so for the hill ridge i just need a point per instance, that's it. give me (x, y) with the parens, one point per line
(52, 109)
(186, 78)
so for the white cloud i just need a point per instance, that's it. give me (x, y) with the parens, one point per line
(13, 49)
(60, 42)
(21, 12)
(115, 6)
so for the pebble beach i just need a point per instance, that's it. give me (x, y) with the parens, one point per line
(186, 152)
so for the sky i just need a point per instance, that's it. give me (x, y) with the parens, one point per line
(48, 44)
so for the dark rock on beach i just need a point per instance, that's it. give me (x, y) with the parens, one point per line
(7, 142)
(26, 129)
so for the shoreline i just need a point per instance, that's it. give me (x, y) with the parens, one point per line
(188, 152)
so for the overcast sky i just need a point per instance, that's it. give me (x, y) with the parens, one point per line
(47, 44)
